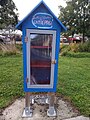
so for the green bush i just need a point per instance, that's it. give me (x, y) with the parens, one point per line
(77, 55)
(84, 47)
(75, 48)
(8, 49)
(19, 47)
(64, 53)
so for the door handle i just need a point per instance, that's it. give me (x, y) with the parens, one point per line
(53, 61)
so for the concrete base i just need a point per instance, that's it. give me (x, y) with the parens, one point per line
(51, 112)
(27, 113)
(63, 111)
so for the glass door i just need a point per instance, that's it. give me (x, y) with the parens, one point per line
(41, 53)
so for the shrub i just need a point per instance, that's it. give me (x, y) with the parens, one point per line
(84, 47)
(19, 47)
(8, 49)
(78, 54)
(64, 53)
(73, 47)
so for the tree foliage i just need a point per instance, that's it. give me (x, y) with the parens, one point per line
(8, 15)
(76, 16)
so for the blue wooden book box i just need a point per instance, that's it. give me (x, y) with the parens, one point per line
(41, 41)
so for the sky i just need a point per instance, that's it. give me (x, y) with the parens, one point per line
(25, 6)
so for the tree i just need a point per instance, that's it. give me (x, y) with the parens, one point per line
(8, 15)
(76, 16)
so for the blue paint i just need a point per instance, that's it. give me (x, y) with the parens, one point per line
(41, 18)
(24, 59)
(46, 10)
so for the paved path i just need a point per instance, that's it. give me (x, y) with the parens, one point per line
(79, 118)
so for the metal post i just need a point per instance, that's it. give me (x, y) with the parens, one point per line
(51, 112)
(27, 110)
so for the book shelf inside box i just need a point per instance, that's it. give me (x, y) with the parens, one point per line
(43, 47)
(41, 64)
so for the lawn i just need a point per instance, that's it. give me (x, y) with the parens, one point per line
(73, 83)
(11, 79)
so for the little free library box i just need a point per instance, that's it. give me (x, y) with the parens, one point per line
(41, 41)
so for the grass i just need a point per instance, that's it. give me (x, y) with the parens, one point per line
(77, 55)
(73, 83)
(11, 81)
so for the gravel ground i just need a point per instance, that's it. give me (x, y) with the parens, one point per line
(63, 108)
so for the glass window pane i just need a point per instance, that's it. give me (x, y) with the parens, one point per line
(40, 58)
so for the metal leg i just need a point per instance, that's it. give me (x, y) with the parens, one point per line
(51, 112)
(27, 110)
(32, 99)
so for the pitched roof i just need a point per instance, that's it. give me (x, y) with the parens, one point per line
(19, 25)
